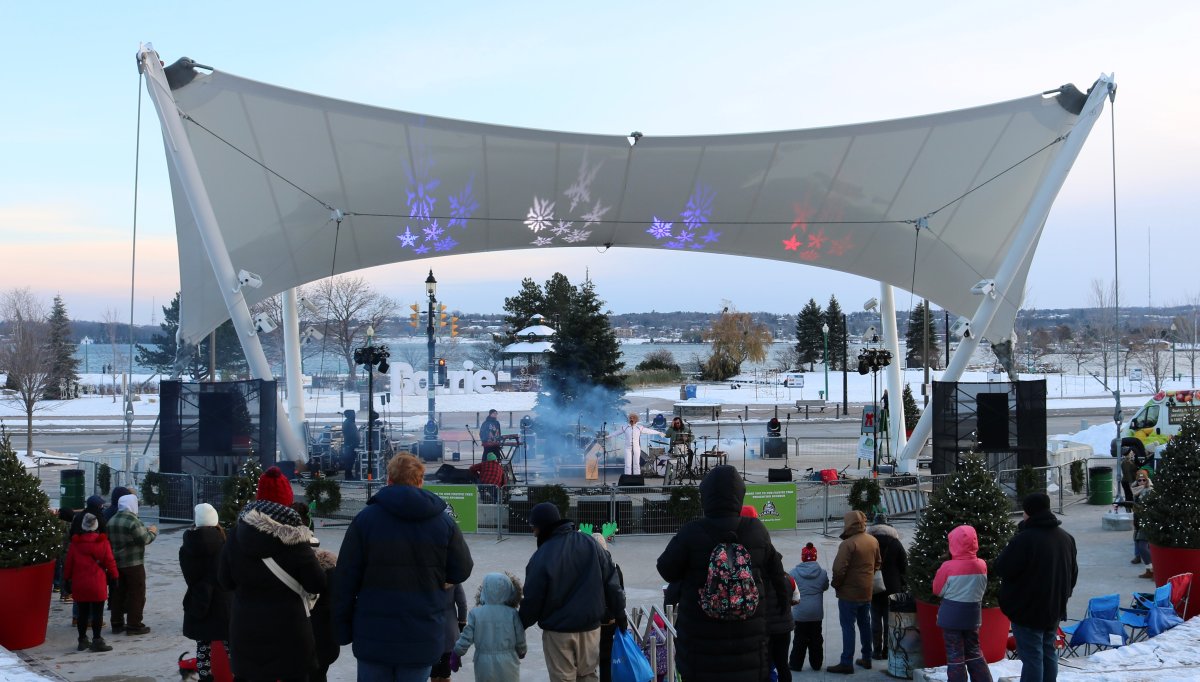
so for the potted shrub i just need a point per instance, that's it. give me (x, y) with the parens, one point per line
(970, 496)
(30, 540)
(1171, 512)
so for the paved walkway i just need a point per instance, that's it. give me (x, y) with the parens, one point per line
(1104, 568)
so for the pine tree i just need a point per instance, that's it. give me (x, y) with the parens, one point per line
(239, 490)
(29, 532)
(837, 332)
(911, 412)
(64, 367)
(810, 342)
(1170, 513)
(915, 341)
(528, 302)
(582, 369)
(160, 353)
(971, 497)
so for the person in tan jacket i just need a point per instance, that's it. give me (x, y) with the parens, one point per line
(853, 581)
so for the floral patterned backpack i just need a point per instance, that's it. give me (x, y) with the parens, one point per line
(729, 591)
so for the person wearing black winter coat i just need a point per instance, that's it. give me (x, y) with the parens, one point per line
(1038, 570)
(708, 649)
(206, 603)
(894, 567)
(322, 621)
(269, 630)
(396, 559)
(117, 493)
(95, 507)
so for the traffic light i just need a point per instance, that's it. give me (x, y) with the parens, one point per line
(442, 371)
(414, 318)
(441, 315)
(453, 326)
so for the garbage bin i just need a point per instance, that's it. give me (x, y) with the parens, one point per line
(689, 391)
(1100, 482)
(904, 640)
(70, 489)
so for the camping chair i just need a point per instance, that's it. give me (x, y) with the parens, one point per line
(1100, 627)
(1137, 616)
(1181, 590)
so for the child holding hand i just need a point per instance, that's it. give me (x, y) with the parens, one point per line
(494, 627)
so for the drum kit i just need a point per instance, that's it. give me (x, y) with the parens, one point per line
(679, 463)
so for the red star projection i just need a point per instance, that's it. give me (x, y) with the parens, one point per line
(839, 247)
(817, 240)
(791, 243)
(810, 255)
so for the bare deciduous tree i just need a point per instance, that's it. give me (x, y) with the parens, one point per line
(349, 304)
(26, 355)
(1153, 354)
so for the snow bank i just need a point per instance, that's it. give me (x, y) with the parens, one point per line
(1099, 437)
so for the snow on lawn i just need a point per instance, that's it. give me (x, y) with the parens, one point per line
(84, 406)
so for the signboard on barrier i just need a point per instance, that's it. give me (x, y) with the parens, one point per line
(463, 501)
(775, 503)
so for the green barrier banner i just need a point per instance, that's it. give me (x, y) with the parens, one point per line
(463, 501)
(775, 503)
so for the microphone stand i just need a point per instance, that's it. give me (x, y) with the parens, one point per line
(604, 454)
(525, 452)
(787, 423)
(743, 425)
(473, 442)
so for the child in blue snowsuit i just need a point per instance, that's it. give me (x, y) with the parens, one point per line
(494, 627)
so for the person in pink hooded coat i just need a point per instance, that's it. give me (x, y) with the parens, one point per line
(961, 582)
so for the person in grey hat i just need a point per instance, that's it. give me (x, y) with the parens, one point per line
(570, 586)
(894, 568)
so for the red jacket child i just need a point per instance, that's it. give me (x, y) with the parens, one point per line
(89, 561)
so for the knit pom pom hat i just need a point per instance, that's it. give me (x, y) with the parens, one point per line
(273, 486)
(809, 553)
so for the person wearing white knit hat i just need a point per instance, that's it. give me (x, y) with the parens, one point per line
(205, 604)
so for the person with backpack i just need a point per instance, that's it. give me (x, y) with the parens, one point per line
(721, 562)
(853, 581)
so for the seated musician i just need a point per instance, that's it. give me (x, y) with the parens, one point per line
(489, 475)
(680, 435)
(489, 434)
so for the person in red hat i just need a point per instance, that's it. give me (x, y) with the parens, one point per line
(268, 562)
(812, 581)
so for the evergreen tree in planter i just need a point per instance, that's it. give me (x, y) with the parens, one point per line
(911, 412)
(1171, 515)
(30, 539)
(238, 490)
(972, 497)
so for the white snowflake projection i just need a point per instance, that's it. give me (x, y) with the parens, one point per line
(595, 215)
(659, 228)
(424, 231)
(576, 236)
(580, 192)
(695, 215)
(542, 241)
(541, 215)
(562, 227)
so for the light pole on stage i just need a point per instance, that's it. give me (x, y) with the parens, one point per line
(845, 367)
(431, 427)
(371, 357)
(825, 357)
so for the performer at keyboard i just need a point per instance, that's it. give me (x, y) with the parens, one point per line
(633, 432)
(489, 435)
(680, 435)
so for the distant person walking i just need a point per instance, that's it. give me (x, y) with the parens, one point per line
(1038, 570)
(206, 603)
(1141, 541)
(894, 568)
(961, 582)
(734, 648)
(812, 581)
(853, 579)
(397, 559)
(349, 446)
(129, 537)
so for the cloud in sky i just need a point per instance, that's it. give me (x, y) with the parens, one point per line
(662, 68)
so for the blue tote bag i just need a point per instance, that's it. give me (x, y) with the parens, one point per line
(629, 664)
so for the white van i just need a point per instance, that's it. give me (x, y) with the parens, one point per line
(1158, 421)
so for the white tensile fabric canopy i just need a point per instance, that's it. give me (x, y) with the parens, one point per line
(280, 166)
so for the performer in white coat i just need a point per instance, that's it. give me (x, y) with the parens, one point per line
(633, 432)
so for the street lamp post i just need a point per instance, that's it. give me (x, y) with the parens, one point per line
(1173, 375)
(825, 359)
(86, 342)
(431, 427)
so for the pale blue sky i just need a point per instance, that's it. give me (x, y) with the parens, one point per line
(70, 98)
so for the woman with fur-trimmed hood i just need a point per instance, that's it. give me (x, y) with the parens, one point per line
(269, 631)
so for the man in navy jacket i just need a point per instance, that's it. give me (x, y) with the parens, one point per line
(399, 556)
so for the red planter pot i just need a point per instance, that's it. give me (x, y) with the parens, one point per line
(993, 635)
(27, 595)
(1169, 561)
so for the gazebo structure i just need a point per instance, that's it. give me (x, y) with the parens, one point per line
(532, 342)
(278, 188)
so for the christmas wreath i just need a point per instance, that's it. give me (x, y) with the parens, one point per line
(325, 495)
(152, 489)
(864, 496)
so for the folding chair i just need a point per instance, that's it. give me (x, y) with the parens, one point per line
(1181, 590)
(1137, 616)
(1103, 613)
(1161, 619)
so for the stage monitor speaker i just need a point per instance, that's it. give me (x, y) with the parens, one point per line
(992, 415)
(774, 447)
(631, 481)
(779, 475)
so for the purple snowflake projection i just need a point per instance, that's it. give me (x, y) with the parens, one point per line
(659, 229)
(541, 215)
(425, 232)
(699, 207)
(695, 215)
(463, 205)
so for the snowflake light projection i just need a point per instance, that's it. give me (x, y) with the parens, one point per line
(423, 231)
(541, 218)
(812, 246)
(694, 216)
